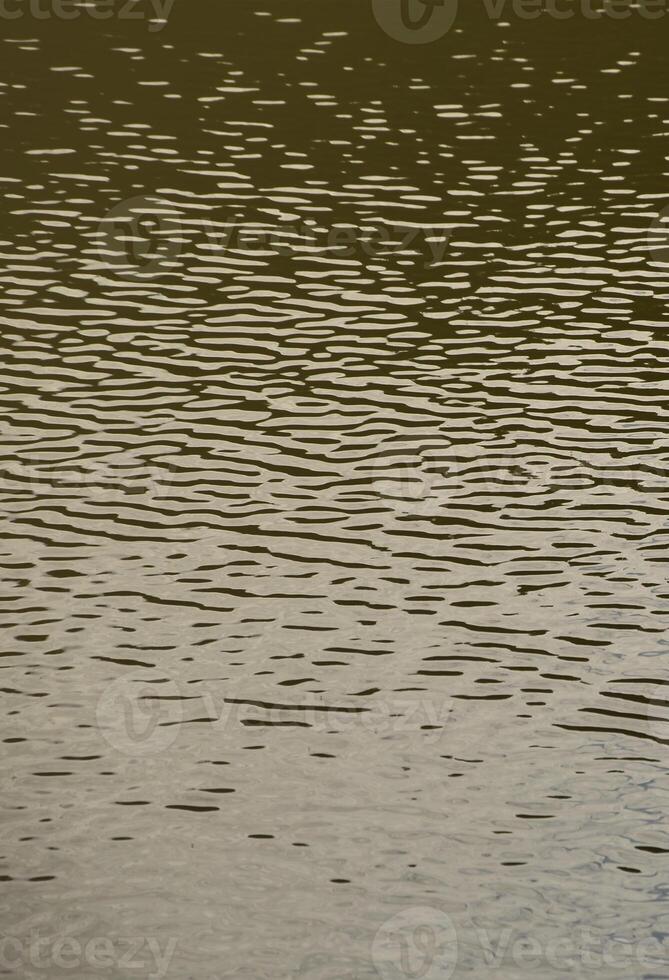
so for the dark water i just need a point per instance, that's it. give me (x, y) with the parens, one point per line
(335, 498)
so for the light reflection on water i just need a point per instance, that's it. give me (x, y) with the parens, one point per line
(334, 496)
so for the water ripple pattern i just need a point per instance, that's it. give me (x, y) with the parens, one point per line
(335, 493)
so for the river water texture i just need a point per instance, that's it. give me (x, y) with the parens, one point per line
(335, 494)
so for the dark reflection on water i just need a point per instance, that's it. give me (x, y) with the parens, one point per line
(334, 482)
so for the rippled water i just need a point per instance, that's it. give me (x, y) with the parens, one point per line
(335, 499)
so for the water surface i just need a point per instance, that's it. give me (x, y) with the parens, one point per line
(334, 569)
